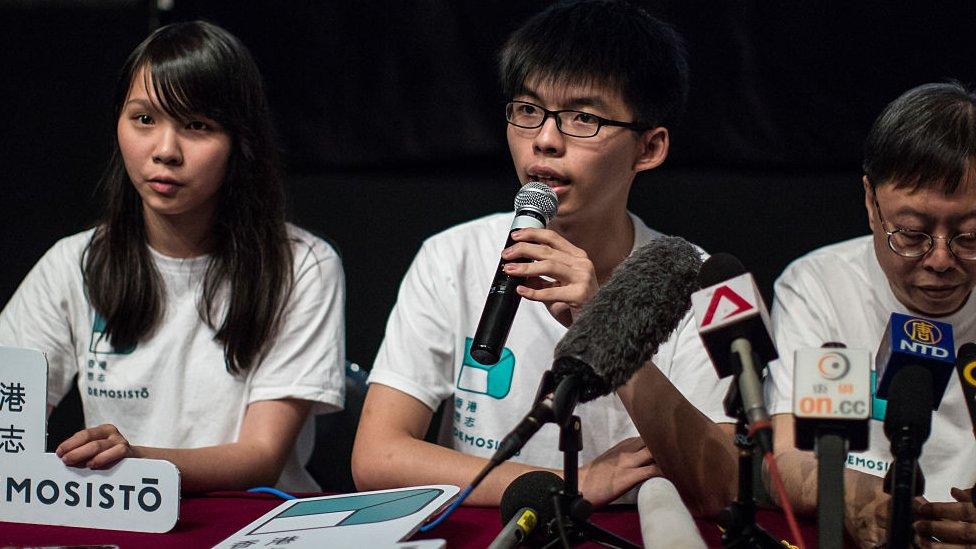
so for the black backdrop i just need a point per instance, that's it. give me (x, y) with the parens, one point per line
(391, 123)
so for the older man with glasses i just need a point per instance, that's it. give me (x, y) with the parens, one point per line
(920, 197)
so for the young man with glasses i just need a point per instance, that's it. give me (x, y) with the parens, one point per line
(920, 198)
(593, 86)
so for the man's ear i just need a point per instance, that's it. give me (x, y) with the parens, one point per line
(869, 201)
(653, 147)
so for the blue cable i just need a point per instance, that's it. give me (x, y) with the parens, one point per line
(272, 491)
(450, 509)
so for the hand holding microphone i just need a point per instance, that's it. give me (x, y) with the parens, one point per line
(570, 281)
(535, 205)
(618, 331)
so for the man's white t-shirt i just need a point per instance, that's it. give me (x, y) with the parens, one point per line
(426, 352)
(839, 293)
(172, 389)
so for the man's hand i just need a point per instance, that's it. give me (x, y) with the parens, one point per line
(96, 448)
(616, 471)
(949, 524)
(573, 278)
(866, 515)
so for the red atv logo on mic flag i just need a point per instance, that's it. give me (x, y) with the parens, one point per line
(726, 302)
(728, 294)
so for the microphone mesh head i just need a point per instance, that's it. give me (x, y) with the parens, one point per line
(537, 197)
(966, 353)
(719, 268)
(910, 405)
(533, 490)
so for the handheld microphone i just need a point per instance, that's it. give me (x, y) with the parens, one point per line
(831, 406)
(535, 206)
(665, 521)
(908, 421)
(526, 509)
(912, 340)
(734, 327)
(966, 369)
(615, 334)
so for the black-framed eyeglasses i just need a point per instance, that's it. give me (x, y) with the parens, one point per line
(569, 122)
(915, 244)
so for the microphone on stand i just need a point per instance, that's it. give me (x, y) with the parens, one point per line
(665, 521)
(734, 324)
(966, 368)
(908, 421)
(832, 406)
(615, 334)
(535, 206)
(526, 509)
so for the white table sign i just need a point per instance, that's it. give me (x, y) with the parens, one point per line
(23, 402)
(366, 519)
(135, 495)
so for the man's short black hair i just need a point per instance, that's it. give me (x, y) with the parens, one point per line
(924, 139)
(601, 42)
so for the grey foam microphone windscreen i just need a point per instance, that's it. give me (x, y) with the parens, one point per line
(621, 328)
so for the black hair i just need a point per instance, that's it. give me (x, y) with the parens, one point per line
(606, 43)
(926, 138)
(199, 69)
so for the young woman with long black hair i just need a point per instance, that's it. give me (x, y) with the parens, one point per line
(203, 329)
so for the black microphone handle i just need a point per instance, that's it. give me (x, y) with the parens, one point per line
(498, 314)
(900, 529)
(831, 453)
(503, 300)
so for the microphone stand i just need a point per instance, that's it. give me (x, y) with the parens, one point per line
(903, 487)
(572, 511)
(831, 447)
(739, 518)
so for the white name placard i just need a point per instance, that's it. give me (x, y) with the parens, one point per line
(367, 519)
(23, 402)
(136, 495)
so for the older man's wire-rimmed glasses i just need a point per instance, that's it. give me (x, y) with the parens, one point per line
(915, 244)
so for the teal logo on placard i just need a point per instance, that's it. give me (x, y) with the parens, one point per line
(99, 343)
(878, 405)
(494, 380)
(350, 510)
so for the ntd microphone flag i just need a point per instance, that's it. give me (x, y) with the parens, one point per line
(729, 310)
(912, 340)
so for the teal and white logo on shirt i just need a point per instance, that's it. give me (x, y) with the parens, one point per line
(494, 380)
(99, 343)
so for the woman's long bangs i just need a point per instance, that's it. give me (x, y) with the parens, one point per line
(193, 69)
(189, 86)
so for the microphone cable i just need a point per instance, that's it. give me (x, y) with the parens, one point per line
(783, 499)
(459, 499)
(273, 491)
